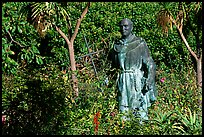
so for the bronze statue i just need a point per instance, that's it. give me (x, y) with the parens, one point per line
(136, 78)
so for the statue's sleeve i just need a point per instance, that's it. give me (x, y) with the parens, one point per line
(112, 56)
(151, 73)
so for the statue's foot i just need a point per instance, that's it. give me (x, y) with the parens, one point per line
(125, 118)
(153, 98)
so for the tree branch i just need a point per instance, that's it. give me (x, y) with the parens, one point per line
(184, 39)
(12, 40)
(63, 35)
(188, 47)
(79, 22)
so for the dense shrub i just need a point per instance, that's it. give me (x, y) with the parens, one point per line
(41, 102)
(34, 101)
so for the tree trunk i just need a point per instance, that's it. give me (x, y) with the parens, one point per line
(73, 67)
(199, 72)
(72, 60)
(198, 60)
(70, 43)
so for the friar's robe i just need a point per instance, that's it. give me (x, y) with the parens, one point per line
(136, 79)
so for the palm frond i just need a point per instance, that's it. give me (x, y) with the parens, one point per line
(164, 20)
(23, 10)
(41, 14)
(64, 14)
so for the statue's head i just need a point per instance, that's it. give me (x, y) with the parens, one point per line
(126, 27)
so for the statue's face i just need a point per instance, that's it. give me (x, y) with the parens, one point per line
(125, 28)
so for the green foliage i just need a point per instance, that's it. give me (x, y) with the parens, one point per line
(191, 122)
(100, 28)
(8, 63)
(62, 58)
(42, 102)
(18, 43)
(34, 102)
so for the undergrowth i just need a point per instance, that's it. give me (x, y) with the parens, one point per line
(42, 102)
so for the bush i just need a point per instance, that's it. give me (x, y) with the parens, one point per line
(42, 102)
(34, 102)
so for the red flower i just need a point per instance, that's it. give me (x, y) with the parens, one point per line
(96, 116)
(3, 118)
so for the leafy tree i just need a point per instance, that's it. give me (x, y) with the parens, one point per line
(19, 48)
(45, 15)
(188, 17)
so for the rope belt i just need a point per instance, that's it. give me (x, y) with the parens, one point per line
(135, 75)
(128, 71)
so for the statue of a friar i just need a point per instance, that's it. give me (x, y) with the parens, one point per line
(136, 78)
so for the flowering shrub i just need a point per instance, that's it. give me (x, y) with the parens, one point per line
(162, 80)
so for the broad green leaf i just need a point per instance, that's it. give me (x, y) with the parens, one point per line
(19, 29)
(35, 49)
(40, 61)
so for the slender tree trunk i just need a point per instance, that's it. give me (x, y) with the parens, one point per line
(199, 72)
(198, 60)
(72, 59)
(70, 43)
(73, 67)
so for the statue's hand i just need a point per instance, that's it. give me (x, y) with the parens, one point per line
(148, 85)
